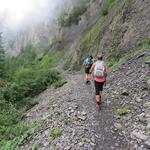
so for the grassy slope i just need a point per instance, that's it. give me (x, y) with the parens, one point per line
(26, 76)
(92, 39)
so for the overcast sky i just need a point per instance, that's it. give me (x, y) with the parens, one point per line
(17, 13)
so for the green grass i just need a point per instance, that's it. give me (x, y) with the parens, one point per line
(59, 83)
(122, 112)
(147, 105)
(30, 79)
(67, 63)
(92, 39)
(56, 133)
(50, 61)
(36, 147)
(108, 7)
(10, 126)
(26, 76)
(147, 58)
(25, 136)
(116, 62)
(142, 120)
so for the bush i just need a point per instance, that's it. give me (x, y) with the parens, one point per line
(56, 133)
(30, 86)
(122, 112)
(28, 79)
(9, 122)
(26, 76)
(105, 12)
(59, 83)
(8, 145)
(108, 7)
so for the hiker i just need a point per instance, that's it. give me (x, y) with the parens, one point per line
(100, 74)
(88, 62)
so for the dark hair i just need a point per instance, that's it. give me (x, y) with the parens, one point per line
(91, 56)
(99, 57)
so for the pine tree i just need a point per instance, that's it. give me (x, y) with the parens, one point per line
(2, 57)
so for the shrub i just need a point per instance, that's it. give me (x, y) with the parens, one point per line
(26, 77)
(108, 6)
(56, 133)
(8, 145)
(122, 112)
(105, 12)
(29, 79)
(9, 122)
(59, 83)
(29, 87)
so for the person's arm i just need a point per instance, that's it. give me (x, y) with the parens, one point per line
(92, 68)
(83, 64)
(106, 70)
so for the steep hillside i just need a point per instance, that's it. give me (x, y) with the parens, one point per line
(39, 29)
(65, 115)
(111, 26)
(68, 118)
(122, 27)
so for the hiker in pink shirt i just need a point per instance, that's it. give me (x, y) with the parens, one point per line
(100, 74)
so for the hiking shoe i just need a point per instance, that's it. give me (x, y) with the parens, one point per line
(87, 82)
(98, 103)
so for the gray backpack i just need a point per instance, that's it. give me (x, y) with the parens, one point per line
(99, 69)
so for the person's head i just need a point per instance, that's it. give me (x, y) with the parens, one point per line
(91, 56)
(99, 57)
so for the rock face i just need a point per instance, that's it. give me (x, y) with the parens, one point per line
(40, 33)
(125, 27)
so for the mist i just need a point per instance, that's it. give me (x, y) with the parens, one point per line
(20, 17)
(19, 14)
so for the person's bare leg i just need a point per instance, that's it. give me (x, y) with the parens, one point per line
(100, 96)
(98, 99)
(89, 77)
(86, 76)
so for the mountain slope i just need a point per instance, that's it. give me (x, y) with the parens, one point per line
(71, 110)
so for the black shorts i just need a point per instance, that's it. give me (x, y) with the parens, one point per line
(87, 70)
(98, 87)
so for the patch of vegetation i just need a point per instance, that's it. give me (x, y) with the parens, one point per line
(56, 133)
(35, 147)
(122, 112)
(109, 5)
(147, 105)
(93, 37)
(142, 120)
(10, 126)
(147, 58)
(28, 77)
(73, 17)
(59, 83)
(26, 135)
(25, 77)
(105, 12)
(117, 61)
(67, 63)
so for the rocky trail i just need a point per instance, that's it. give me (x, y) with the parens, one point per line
(72, 110)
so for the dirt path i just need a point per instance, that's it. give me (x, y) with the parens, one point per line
(84, 126)
(73, 109)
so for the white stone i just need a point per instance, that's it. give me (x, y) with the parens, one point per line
(139, 135)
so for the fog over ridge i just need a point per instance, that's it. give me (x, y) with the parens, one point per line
(20, 16)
